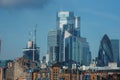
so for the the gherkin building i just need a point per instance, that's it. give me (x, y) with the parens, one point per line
(105, 54)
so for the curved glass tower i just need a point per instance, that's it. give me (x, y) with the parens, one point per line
(105, 54)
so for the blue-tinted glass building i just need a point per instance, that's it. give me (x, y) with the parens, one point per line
(53, 46)
(105, 54)
(65, 43)
(31, 52)
(115, 49)
(64, 18)
(71, 45)
(66, 21)
(76, 49)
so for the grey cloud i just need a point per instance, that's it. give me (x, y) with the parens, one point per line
(23, 3)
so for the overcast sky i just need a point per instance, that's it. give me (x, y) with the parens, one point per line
(18, 17)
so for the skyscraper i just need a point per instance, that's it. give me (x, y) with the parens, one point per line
(67, 18)
(115, 49)
(63, 18)
(31, 52)
(52, 46)
(85, 52)
(76, 49)
(105, 54)
(71, 45)
(77, 25)
(65, 44)
(66, 21)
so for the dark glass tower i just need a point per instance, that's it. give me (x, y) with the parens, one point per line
(115, 48)
(66, 21)
(105, 54)
(31, 52)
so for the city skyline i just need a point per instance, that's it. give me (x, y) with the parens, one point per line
(97, 18)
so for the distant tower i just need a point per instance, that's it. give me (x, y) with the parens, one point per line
(115, 49)
(52, 46)
(34, 43)
(32, 51)
(64, 18)
(77, 25)
(105, 54)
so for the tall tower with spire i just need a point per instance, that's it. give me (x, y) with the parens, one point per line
(31, 52)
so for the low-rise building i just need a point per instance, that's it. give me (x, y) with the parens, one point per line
(18, 70)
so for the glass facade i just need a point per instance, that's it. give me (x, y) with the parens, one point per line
(84, 52)
(71, 48)
(53, 48)
(31, 52)
(105, 54)
(115, 48)
(76, 49)
(67, 20)
(64, 17)
(71, 44)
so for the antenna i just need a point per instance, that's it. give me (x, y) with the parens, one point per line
(35, 34)
(34, 42)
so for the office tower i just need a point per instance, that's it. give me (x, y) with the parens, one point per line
(105, 54)
(31, 52)
(71, 45)
(66, 21)
(84, 52)
(64, 18)
(76, 49)
(52, 46)
(115, 49)
(71, 48)
(47, 58)
(77, 25)
(65, 43)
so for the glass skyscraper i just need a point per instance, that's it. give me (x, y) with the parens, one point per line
(65, 44)
(31, 52)
(52, 46)
(63, 18)
(115, 49)
(85, 52)
(76, 49)
(105, 54)
(71, 45)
